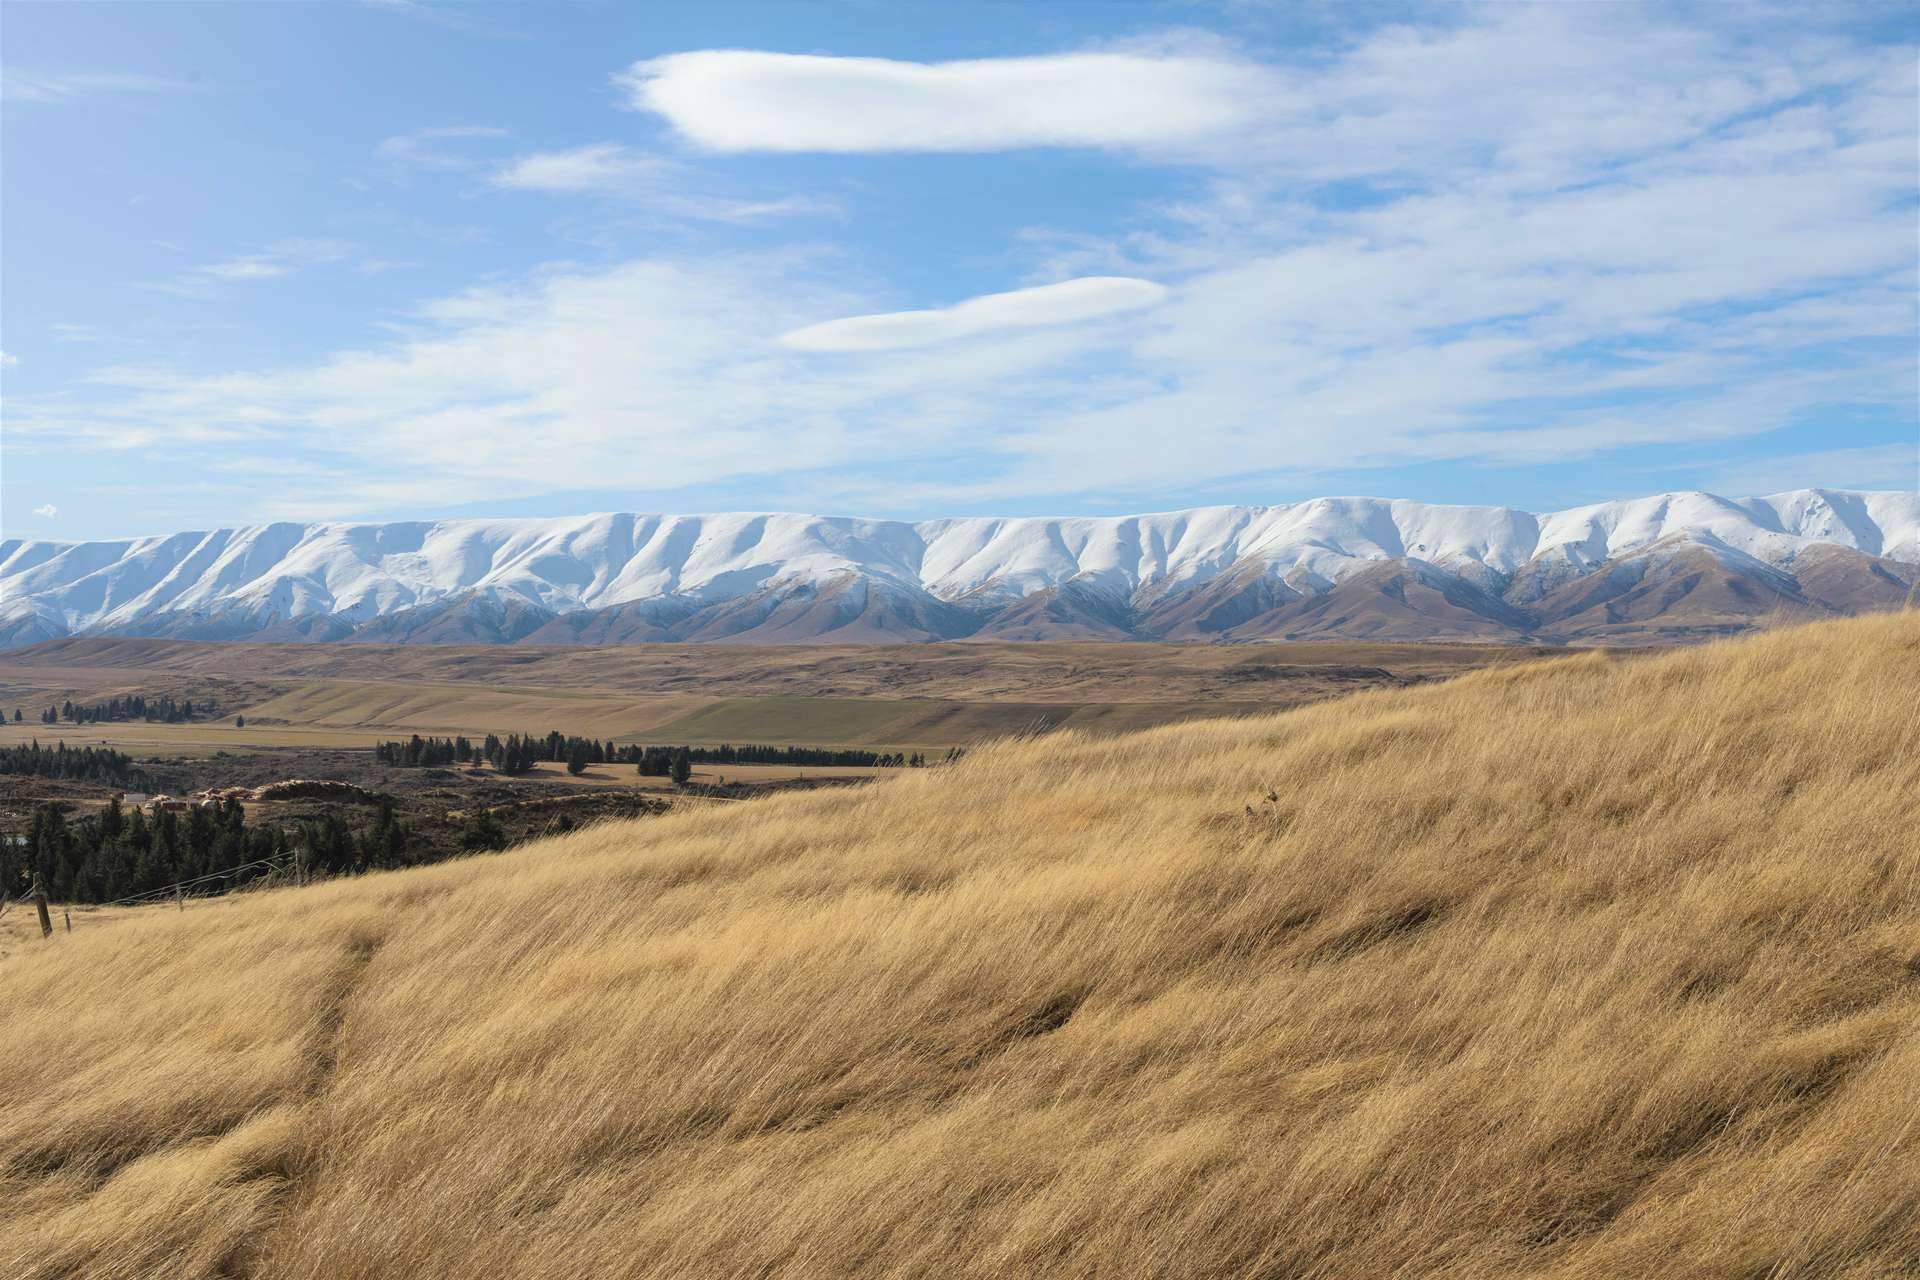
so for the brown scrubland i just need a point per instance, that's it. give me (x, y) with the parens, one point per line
(1590, 967)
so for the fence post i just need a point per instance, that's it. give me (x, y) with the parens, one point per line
(40, 905)
(180, 898)
(68, 917)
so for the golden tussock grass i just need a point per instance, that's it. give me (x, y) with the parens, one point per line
(1593, 967)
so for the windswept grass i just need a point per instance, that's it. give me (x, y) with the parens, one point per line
(1586, 968)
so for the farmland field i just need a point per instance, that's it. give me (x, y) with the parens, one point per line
(909, 697)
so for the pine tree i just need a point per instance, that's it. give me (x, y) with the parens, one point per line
(112, 821)
(385, 844)
(577, 758)
(155, 866)
(138, 835)
(682, 767)
(201, 834)
(482, 832)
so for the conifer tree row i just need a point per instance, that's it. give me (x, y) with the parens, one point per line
(77, 764)
(120, 853)
(163, 709)
(518, 753)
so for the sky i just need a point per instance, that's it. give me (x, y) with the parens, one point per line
(408, 260)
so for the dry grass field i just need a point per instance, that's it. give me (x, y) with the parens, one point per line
(901, 697)
(1586, 968)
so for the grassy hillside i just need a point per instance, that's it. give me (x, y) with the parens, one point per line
(1586, 968)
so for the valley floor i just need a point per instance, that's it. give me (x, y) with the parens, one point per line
(891, 696)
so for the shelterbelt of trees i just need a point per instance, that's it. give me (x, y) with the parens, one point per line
(77, 764)
(120, 853)
(161, 709)
(517, 753)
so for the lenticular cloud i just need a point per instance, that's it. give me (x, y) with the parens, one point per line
(743, 100)
(1087, 298)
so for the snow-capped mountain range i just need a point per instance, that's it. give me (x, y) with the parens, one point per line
(1672, 566)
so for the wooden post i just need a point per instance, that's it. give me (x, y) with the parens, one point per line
(180, 899)
(68, 917)
(40, 905)
(300, 865)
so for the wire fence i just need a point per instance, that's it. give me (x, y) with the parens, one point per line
(200, 886)
(184, 888)
(194, 888)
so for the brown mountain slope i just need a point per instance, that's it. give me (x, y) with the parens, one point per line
(1060, 613)
(1846, 581)
(846, 610)
(1213, 609)
(1671, 594)
(1587, 968)
(1394, 600)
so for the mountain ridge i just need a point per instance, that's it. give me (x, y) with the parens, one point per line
(1669, 566)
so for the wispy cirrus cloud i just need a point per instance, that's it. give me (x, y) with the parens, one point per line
(20, 84)
(460, 18)
(600, 166)
(252, 266)
(1890, 466)
(282, 258)
(662, 185)
(442, 147)
(677, 361)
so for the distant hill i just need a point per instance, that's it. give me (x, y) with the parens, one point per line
(1580, 967)
(1674, 567)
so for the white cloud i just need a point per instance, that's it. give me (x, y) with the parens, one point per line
(1892, 466)
(462, 18)
(281, 258)
(253, 266)
(435, 148)
(19, 85)
(47, 511)
(7, 361)
(1067, 302)
(740, 100)
(646, 375)
(1725, 257)
(598, 167)
(1522, 264)
(650, 181)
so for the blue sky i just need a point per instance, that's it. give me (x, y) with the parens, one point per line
(332, 260)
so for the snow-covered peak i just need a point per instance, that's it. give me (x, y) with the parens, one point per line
(358, 572)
